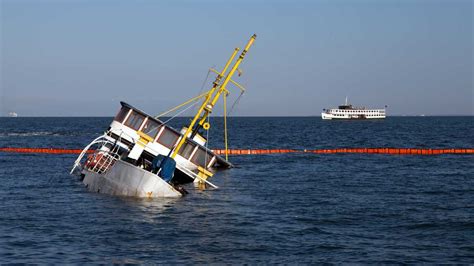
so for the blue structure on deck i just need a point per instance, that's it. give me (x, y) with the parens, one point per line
(164, 166)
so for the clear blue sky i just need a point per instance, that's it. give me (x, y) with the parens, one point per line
(80, 57)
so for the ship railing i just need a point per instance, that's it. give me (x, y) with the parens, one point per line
(99, 140)
(104, 157)
(103, 141)
(101, 161)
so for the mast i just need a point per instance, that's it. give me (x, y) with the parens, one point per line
(206, 107)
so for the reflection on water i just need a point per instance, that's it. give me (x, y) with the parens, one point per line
(150, 209)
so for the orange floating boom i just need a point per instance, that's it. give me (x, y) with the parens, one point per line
(408, 151)
(43, 150)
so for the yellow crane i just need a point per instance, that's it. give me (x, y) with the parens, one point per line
(212, 96)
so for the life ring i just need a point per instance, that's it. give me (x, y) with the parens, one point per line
(206, 126)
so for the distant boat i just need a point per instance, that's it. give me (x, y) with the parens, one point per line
(12, 114)
(347, 111)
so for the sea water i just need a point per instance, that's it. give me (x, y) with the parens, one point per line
(280, 208)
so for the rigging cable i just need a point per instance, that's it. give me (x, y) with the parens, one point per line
(235, 102)
(225, 126)
(205, 81)
(207, 142)
(183, 104)
(182, 111)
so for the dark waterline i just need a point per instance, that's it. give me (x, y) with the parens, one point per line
(281, 208)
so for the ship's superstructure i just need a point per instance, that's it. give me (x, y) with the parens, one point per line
(347, 111)
(140, 155)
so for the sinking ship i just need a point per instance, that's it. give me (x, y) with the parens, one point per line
(347, 112)
(142, 156)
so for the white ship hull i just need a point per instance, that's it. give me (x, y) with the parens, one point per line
(122, 162)
(124, 179)
(349, 112)
(330, 116)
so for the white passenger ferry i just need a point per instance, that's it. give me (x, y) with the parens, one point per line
(142, 156)
(347, 111)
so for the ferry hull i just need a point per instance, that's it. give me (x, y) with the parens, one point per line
(326, 116)
(349, 112)
(124, 179)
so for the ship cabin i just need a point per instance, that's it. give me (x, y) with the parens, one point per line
(345, 107)
(144, 137)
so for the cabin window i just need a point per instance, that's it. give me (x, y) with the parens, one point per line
(151, 128)
(122, 114)
(135, 120)
(168, 138)
(201, 157)
(187, 150)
